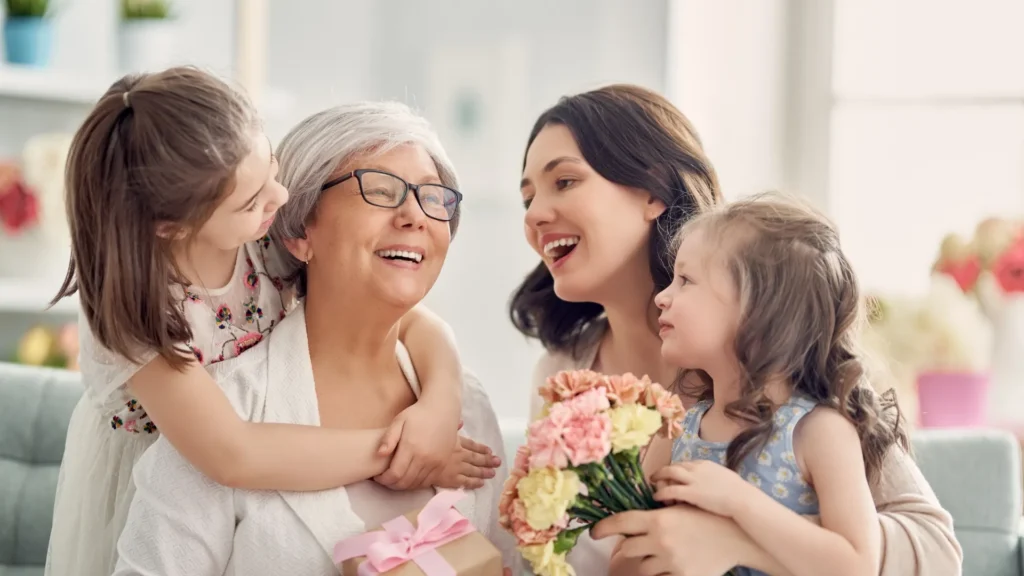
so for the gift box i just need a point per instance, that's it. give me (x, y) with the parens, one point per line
(434, 541)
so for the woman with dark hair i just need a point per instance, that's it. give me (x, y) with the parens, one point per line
(608, 178)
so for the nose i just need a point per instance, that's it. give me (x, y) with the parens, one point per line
(539, 213)
(278, 198)
(409, 214)
(662, 300)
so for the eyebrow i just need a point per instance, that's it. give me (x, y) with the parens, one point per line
(551, 166)
(262, 188)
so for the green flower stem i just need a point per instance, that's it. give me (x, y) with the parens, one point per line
(625, 484)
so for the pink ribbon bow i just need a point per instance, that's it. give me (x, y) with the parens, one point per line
(438, 523)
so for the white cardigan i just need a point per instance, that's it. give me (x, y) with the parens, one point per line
(183, 523)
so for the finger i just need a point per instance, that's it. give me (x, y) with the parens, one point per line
(391, 436)
(677, 493)
(387, 479)
(474, 446)
(479, 460)
(471, 471)
(676, 474)
(655, 566)
(408, 479)
(629, 523)
(470, 483)
(635, 547)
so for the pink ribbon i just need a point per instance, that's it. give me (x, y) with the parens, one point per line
(438, 523)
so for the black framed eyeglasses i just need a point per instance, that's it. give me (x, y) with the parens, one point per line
(385, 190)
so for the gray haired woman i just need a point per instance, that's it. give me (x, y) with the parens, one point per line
(374, 205)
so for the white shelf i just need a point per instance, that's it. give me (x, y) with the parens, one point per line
(49, 85)
(32, 297)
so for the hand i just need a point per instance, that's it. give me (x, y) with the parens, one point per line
(469, 466)
(423, 435)
(674, 541)
(705, 484)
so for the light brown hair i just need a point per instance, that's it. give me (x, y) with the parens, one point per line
(801, 316)
(158, 150)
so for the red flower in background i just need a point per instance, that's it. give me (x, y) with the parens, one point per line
(19, 207)
(965, 271)
(1009, 268)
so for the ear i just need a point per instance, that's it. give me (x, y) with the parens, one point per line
(654, 209)
(169, 231)
(300, 248)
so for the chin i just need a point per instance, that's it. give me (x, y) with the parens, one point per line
(576, 289)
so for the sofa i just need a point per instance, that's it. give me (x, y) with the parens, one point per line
(975, 473)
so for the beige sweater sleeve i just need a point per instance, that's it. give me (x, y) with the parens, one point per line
(917, 533)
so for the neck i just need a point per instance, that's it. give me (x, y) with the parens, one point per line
(205, 266)
(631, 343)
(350, 337)
(726, 385)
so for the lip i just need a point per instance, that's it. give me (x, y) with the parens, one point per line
(266, 223)
(664, 327)
(404, 264)
(551, 237)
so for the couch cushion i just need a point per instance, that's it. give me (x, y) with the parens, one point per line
(35, 407)
(976, 475)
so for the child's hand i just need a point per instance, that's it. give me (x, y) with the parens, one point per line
(702, 483)
(423, 435)
(469, 466)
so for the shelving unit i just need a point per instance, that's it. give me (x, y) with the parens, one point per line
(20, 296)
(49, 85)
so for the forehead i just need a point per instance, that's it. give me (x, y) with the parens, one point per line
(552, 141)
(410, 162)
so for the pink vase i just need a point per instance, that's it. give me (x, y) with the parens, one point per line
(952, 399)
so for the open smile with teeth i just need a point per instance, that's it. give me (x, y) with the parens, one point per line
(400, 255)
(558, 249)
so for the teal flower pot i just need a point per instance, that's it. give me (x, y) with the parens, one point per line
(28, 40)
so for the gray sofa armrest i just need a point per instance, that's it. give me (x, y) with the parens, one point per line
(35, 408)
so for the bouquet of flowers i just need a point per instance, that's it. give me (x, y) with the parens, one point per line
(581, 461)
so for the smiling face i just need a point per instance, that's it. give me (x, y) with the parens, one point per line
(248, 210)
(392, 255)
(588, 231)
(700, 309)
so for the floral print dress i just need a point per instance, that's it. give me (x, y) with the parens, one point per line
(225, 321)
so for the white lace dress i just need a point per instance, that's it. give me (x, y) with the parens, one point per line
(109, 430)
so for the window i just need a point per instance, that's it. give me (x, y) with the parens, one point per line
(927, 129)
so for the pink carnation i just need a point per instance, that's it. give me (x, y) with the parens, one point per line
(526, 535)
(510, 491)
(545, 442)
(625, 389)
(587, 403)
(567, 384)
(669, 406)
(588, 438)
(577, 431)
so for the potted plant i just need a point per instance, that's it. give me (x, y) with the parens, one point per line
(28, 33)
(941, 343)
(148, 35)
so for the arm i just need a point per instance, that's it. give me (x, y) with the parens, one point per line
(425, 434)
(192, 412)
(847, 542)
(168, 534)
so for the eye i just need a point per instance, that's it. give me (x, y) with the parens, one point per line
(565, 182)
(527, 202)
(251, 207)
(684, 280)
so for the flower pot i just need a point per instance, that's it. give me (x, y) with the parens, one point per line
(147, 45)
(952, 399)
(28, 40)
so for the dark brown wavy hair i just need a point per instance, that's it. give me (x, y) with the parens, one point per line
(786, 262)
(633, 137)
(157, 150)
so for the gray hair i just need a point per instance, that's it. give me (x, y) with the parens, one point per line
(313, 150)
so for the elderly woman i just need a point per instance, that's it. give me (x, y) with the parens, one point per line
(373, 209)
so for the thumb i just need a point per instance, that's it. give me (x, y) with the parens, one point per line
(391, 437)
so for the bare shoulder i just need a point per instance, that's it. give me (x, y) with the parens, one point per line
(822, 433)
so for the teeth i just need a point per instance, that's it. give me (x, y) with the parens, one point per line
(570, 241)
(414, 256)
